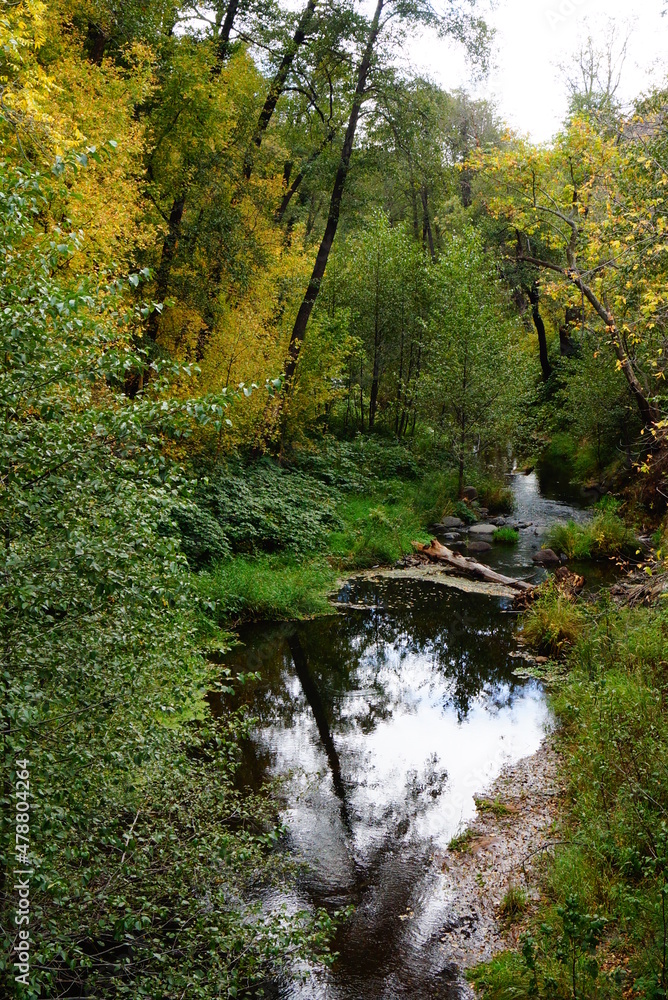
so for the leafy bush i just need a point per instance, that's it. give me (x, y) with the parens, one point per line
(202, 539)
(260, 507)
(141, 884)
(506, 536)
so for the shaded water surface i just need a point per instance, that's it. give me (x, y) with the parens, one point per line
(384, 721)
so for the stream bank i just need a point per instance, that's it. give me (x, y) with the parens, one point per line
(384, 723)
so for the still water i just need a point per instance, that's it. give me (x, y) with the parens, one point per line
(383, 722)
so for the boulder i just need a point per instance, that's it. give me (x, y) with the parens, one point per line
(451, 522)
(483, 529)
(450, 536)
(470, 493)
(546, 557)
(478, 547)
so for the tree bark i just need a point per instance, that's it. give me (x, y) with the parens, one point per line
(306, 308)
(225, 32)
(470, 567)
(277, 85)
(534, 299)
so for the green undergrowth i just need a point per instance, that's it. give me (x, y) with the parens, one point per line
(267, 539)
(605, 536)
(266, 587)
(601, 926)
(377, 529)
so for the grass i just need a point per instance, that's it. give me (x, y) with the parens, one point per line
(513, 906)
(600, 928)
(377, 529)
(604, 537)
(552, 623)
(252, 588)
(461, 842)
(506, 536)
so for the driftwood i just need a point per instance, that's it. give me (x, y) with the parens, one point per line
(469, 567)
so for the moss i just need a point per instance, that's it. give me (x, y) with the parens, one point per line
(496, 807)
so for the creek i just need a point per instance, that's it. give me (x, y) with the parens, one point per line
(383, 722)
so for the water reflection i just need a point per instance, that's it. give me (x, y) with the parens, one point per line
(385, 722)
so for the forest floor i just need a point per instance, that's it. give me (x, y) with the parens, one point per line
(493, 868)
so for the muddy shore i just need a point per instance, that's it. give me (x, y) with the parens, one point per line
(502, 848)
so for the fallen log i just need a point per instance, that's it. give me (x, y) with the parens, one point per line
(469, 567)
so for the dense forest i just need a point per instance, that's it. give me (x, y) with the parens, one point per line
(269, 307)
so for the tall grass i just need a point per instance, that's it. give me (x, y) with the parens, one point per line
(607, 535)
(267, 588)
(601, 927)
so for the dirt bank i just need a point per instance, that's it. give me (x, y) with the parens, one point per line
(503, 847)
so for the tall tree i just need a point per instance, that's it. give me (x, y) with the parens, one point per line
(278, 83)
(306, 308)
(456, 22)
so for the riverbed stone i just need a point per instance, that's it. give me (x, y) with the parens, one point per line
(483, 529)
(451, 522)
(547, 557)
(479, 547)
(451, 536)
(470, 493)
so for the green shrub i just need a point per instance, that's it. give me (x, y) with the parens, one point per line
(496, 497)
(506, 536)
(259, 507)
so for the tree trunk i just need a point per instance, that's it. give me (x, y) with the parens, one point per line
(277, 84)
(292, 190)
(306, 308)
(470, 567)
(169, 248)
(534, 299)
(225, 32)
(427, 235)
(414, 205)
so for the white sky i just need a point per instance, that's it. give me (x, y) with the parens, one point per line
(533, 36)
